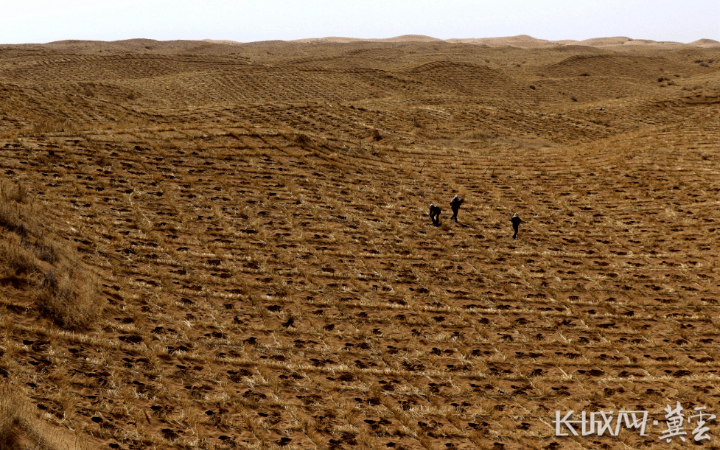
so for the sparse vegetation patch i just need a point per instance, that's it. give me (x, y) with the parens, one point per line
(64, 290)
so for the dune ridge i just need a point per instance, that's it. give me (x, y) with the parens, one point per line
(521, 41)
(211, 246)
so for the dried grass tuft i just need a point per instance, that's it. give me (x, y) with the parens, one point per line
(20, 428)
(303, 140)
(66, 291)
(10, 192)
(69, 296)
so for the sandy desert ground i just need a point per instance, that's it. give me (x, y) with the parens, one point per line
(220, 245)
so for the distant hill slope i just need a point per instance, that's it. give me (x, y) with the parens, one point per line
(211, 246)
(523, 41)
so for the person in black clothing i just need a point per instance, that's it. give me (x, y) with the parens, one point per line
(516, 221)
(455, 205)
(435, 214)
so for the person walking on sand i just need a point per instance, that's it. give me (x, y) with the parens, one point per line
(516, 221)
(435, 214)
(455, 206)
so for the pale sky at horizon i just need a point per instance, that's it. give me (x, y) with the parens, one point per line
(40, 21)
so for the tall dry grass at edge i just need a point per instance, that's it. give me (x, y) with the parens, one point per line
(32, 257)
(21, 428)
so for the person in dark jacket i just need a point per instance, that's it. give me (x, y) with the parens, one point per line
(435, 214)
(455, 206)
(516, 221)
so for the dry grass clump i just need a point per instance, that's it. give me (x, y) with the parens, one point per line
(30, 257)
(69, 296)
(20, 428)
(10, 192)
(303, 140)
(53, 126)
(11, 199)
(16, 257)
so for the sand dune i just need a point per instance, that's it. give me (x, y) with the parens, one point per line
(705, 43)
(213, 246)
(404, 38)
(521, 41)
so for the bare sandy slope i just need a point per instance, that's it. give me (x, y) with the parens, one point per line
(705, 43)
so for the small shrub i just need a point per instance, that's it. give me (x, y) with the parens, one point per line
(303, 140)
